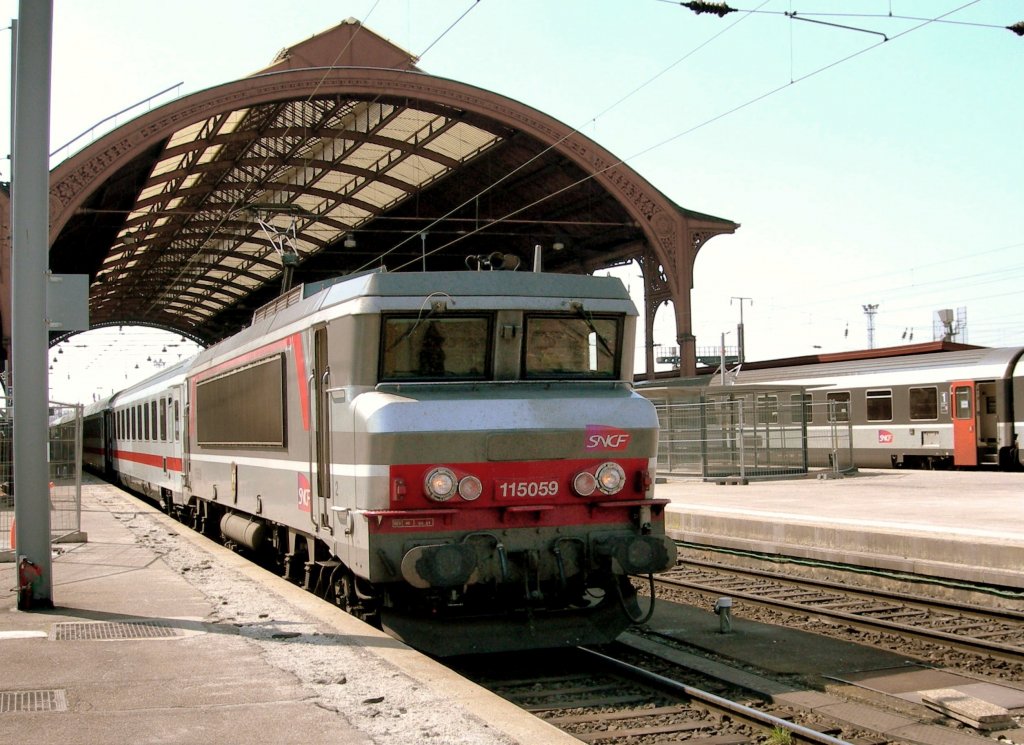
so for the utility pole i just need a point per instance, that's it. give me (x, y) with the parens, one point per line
(740, 343)
(869, 311)
(30, 239)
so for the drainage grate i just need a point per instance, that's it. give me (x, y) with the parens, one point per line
(112, 630)
(54, 700)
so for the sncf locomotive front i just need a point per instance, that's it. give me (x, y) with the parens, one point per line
(492, 489)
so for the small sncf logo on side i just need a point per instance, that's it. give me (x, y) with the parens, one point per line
(600, 437)
(884, 437)
(304, 494)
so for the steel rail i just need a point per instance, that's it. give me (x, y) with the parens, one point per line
(1012, 652)
(803, 733)
(1006, 613)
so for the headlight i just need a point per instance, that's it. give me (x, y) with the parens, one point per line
(470, 488)
(584, 483)
(610, 478)
(440, 484)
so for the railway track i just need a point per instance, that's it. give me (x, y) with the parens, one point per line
(992, 631)
(599, 697)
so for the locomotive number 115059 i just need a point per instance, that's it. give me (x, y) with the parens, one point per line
(512, 489)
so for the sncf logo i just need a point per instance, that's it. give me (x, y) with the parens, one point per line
(304, 494)
(884, 437)
(600, 437)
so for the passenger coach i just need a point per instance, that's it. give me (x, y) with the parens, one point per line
(960, 408)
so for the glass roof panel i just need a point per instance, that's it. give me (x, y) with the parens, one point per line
(187, 134)
(380, 194)
(416, 170)
(462, 141)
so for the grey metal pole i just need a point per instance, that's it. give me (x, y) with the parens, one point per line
(740, 340)
(30, 182)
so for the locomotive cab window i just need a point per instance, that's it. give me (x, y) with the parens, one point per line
(450, 348)
(879, 404)
(578, 346)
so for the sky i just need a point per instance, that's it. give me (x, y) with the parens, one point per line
(879, 164)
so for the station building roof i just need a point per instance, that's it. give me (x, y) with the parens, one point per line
(340, 156)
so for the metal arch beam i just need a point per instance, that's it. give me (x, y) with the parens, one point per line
(238, 271)
(215, 166)
(244, 232)
(184, 333)
(72, 180)
(245, 257)
(242, 136)
(668, 229)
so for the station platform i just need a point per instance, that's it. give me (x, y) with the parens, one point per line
(958, 526)
(161, 636)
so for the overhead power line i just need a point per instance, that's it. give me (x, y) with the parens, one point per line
(700, 7)
(649, 149)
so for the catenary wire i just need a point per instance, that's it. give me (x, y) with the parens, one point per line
(673, 138)
(540, 154)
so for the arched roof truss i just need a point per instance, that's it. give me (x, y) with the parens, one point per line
(317, 168)
(198, 213)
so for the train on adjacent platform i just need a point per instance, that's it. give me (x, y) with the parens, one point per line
(457, 456)
(946, 409)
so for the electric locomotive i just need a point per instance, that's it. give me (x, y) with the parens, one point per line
(457, 456)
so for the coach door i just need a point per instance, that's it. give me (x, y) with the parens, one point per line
(965, 435)
(322, 427)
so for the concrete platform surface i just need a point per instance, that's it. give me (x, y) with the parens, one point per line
(960, 525)
(160, 636)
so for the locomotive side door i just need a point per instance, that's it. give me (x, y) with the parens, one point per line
(965, 435)
(321, 429)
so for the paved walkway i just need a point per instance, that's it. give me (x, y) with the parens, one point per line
(954, 524)
(160, 636)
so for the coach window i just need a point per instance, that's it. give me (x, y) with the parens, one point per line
(800, 405)
(838, 406)
(962, 403)
(177, 419)
(154, 428)
(134, 429)
(924, 404)
(163, 420)
(711, 412)
(767, 409)
(879, 404)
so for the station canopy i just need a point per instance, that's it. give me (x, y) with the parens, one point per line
(340, 157)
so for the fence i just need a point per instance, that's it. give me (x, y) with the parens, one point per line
(749, 433)
(64, 454)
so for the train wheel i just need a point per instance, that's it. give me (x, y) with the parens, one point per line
(349, 599)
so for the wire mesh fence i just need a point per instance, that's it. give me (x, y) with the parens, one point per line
(749, 433)
(64, 455)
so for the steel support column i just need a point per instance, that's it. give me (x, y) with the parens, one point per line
(30, 184)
